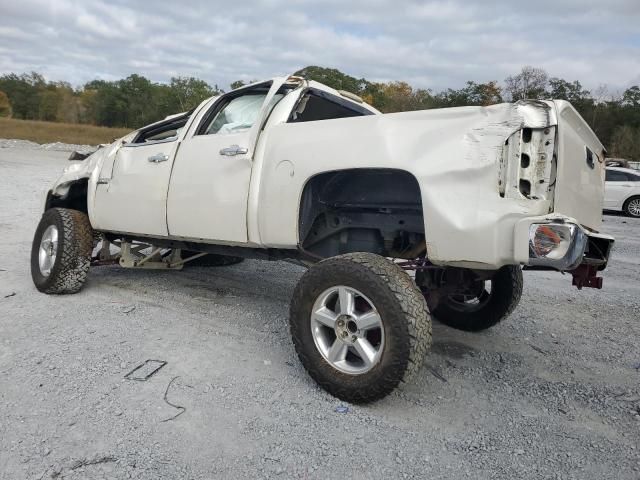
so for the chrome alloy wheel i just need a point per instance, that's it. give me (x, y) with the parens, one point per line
(634, 207)
(347, 330)
(48, 250)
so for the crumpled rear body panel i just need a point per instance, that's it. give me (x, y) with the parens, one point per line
(454, 154)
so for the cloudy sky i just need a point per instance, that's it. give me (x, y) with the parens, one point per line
(429, 44)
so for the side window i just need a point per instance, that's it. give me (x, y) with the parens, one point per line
(633, 178)
(165, 131)
(616, 176)
(238, 114)
(315, 106)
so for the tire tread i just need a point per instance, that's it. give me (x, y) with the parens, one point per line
(75, 237)
(406, 296)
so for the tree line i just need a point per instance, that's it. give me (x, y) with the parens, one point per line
(131, 102)
(136, 101)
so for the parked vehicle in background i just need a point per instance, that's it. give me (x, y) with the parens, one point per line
(621, 162)
(292, 169)
(622, 190)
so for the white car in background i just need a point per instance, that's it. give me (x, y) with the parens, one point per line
(622, 190)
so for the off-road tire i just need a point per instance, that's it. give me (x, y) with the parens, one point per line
(404, 313)
(506, 290)
(210, 260)
(73, 254)
(626, 210)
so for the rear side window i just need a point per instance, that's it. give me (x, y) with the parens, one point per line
(318, 105)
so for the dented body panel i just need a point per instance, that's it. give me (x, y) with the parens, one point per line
(484, 174)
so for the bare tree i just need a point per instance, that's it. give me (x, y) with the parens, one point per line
(531, 82)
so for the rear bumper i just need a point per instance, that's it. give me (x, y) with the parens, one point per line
(580, 251)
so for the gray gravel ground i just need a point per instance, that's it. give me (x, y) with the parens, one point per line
(553, 392)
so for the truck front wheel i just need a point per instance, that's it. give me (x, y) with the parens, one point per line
(61, 251)
(359, 325)
(490, 302)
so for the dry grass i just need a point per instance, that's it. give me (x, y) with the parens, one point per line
(48, 132)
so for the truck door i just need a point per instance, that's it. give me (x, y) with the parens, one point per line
(131, 192)
(209, 186)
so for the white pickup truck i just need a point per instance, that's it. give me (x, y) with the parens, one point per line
(398, 216)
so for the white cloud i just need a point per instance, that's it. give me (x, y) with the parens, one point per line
(433, 44)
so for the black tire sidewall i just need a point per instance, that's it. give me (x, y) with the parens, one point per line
(626, 207)
(506, 289)
(44, 283)
(388, 372)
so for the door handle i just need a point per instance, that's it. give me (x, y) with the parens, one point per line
(234, 150)
(158, 157)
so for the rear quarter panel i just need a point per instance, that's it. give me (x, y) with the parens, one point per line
(453, 153)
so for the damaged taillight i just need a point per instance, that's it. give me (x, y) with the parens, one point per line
(556, 245)
(527, 166)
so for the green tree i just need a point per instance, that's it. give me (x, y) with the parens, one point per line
(48, 104)
(5, 105)
(333, 78)
(631, 97)
(23, 91)
(573, 92)
(189, 92)
(136, 92)
(236, 84)
(625, 143)
(481, 94)
(401, 97)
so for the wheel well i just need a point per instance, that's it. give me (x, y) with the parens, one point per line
(362, 210)
(626, 202)
(75, 199)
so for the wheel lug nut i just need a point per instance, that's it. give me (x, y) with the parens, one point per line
(341, 323)
(344, 334)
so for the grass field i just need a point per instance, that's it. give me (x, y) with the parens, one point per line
(48, 132)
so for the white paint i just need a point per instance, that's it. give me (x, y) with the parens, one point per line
(135, 197)
(617, 193)
(579, 189)
(454, 154)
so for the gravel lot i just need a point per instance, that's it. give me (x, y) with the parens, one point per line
(553, 392)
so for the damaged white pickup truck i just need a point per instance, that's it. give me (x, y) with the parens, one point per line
(398, 216)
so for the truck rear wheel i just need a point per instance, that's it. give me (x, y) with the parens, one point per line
(360, 326)
(61, 251)
(485, 308)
